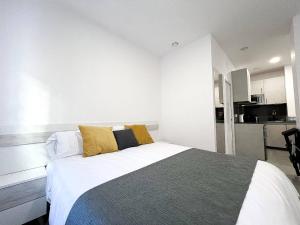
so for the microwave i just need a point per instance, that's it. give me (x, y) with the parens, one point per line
(258, 99)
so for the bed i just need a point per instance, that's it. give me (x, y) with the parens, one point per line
(270, 199)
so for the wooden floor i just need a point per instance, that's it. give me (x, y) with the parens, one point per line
(276, 157)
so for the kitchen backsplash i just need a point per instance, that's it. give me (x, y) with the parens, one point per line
(271, 112)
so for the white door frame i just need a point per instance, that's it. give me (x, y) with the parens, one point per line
(228, 115)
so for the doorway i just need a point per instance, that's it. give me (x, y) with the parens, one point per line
(224, 114)
(228, 118)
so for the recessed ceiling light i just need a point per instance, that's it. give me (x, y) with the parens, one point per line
(275, 60)
(244, 48)
(175, 44)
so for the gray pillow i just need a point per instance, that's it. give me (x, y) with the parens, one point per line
(125, 139)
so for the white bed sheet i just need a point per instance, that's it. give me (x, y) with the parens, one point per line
(271, 198)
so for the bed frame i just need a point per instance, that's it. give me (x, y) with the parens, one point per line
(23, 158)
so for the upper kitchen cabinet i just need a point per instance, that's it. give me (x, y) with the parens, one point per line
(218, 83)
(271, 85)
(274, 90)
(257, 87)
(218, 104)
(241, 87)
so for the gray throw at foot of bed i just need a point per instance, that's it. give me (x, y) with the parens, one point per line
(192, 187)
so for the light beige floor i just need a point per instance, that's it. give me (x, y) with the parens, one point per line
(281, 160)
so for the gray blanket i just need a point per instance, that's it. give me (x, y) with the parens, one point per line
(192, 187)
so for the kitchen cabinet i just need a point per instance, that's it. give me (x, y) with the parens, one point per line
(257, 87)
(249, 140)
(273, 135)
(219, 91)
(241, 87)
(290, 126)
(217, 97)
(274, 90)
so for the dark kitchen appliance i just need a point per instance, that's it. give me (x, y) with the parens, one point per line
(258, 99)
(220, 114)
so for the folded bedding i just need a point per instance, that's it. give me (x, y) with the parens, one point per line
(192, 187)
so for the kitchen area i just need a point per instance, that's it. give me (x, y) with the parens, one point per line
(263, 107)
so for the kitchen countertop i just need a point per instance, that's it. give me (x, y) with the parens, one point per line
(266, 122)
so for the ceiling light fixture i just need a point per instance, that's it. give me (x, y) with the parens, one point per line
(175, 44)
(275, 60)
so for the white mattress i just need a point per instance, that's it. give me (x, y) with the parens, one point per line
(270, 200)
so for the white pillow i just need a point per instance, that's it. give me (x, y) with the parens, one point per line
(64, 144)
(80, 141)
(118, 127)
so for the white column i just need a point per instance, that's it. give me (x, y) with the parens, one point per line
(289, 90)
(295, 55)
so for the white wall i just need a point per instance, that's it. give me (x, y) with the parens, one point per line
(220, 60)
(295, 55)
(289, 88)
(59, 67)
(188, 114)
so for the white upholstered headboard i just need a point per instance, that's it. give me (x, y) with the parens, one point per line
(20, 151)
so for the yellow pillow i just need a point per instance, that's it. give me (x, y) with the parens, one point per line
(141, 134)
(97, 140)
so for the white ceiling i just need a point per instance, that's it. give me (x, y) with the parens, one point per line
(262, 25)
